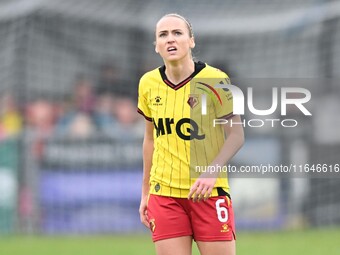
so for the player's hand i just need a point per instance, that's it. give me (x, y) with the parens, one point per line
(202, 188)
(143, 213)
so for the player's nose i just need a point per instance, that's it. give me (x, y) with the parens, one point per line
(170, 39)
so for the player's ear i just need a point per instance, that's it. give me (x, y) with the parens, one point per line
(192, 42)
(156, 50)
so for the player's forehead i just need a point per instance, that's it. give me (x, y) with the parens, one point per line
(170, 23)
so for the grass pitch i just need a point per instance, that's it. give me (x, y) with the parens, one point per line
(309, 242)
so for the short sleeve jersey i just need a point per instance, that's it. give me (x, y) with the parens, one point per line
(185, 138)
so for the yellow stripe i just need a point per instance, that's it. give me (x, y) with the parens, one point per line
(228, 200)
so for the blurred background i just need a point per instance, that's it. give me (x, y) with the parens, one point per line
(70, 137)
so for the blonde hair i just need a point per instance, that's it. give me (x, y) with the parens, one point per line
(191, 33)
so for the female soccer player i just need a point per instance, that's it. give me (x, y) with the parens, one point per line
(184, 197)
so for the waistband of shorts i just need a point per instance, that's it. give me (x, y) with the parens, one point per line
(163, 190)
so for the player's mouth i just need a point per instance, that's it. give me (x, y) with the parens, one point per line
(171, 49)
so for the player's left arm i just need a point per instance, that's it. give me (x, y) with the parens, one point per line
(203, 186)
(233, 142)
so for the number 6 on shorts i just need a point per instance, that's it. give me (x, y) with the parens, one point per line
(222, 212)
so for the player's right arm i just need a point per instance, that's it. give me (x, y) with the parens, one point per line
(148, 148)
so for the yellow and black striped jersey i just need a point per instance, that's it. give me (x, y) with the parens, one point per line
(185, 138)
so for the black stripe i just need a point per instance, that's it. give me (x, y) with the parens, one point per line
(222, 192)
(228, 116)
(142, 113)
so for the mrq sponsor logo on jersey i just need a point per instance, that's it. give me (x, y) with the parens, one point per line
(261, 105)
(294, 98)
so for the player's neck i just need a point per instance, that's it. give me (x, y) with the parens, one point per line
(178, 71)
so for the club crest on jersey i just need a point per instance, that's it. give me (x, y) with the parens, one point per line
(157, 101)
(193, 100)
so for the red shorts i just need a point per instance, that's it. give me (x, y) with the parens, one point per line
(211, 220)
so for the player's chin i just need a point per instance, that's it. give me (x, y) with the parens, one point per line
(173, 58)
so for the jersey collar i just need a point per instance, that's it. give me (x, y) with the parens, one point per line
(198, 67)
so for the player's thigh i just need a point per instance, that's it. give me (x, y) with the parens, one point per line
(167, 218)
(178, 246)
(217, 248)
(213, 220)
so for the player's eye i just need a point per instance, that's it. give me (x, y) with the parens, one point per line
(162, 35)
(178, 33)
